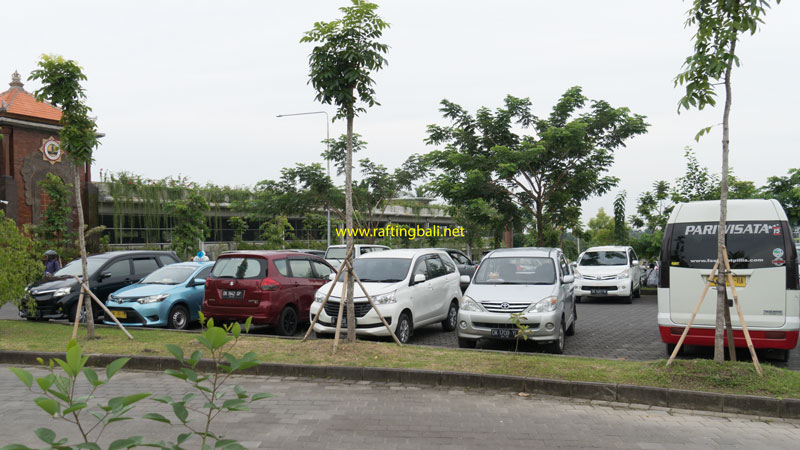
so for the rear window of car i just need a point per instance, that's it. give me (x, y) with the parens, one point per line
(751, 245)
(336, 253)
(239, 268)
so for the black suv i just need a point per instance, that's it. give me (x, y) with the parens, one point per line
(57, 296)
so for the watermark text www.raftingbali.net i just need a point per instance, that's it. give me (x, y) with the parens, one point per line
(395, 231)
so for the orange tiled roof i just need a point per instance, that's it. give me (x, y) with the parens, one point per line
(20, 102)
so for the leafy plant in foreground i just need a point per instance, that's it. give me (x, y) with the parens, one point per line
(522, 329)
(60, 399)
(209, 387)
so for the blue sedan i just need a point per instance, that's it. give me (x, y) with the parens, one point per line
(170, 297)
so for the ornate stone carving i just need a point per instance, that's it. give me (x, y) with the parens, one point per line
(34, 170)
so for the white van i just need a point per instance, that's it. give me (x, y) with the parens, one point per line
(763, 260)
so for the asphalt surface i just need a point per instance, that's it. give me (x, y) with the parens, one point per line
(317, 414)
(606, 328)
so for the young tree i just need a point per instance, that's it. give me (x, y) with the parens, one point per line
(346, 53)
(239, 227)
(20, 261)
(620, 229)
(718, 24)
(189, 226)
(53, 231)
(61, 86)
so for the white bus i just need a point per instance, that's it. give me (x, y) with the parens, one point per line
(764, 263)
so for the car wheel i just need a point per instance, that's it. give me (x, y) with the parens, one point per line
(571, 329)
(557, 346)
(467, 343)
(323, 335)
(783, 355)
(629, 299)
(287, 323)
(577, 299)
(449, 323)
(403, 330)
(178, 317)
(74, 312)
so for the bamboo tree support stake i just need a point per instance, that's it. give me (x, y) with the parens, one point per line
(325, 301)
(341, 309)
(741, 316)
(358, 280)
(76, 319)
(694, 314)
(729, 327)
(103, 307)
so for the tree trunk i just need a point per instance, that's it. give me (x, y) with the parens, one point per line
(348, 208)
(539, 225)
(82, 242)
(719, 331)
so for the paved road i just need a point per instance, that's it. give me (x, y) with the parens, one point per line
(605, 329)
(354, 415)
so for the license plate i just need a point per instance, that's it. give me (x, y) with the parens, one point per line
(344, 321)
(232, 295)
(599, 291)
(504, 333)
(120, 314)
(737, 281)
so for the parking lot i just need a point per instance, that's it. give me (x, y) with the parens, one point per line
(605, 329)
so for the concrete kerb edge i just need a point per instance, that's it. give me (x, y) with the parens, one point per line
(673, 398)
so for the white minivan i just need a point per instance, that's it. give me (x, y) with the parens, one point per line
(608, 271)
(763, 260)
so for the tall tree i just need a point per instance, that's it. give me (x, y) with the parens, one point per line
(787, 191)
(718, 24)
(346, 53)
(189, 218)
(61, 86)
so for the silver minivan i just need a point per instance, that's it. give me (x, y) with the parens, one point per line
(536, 282)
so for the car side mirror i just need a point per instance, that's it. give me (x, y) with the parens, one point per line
(198, 282)
(465, 279)
(566, 279)
(635, 262)
(332, 276)
(104, 275)
(573, 264)
(419, 278)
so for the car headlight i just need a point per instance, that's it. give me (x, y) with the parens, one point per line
(547, 304)
(62, 292)
(319, 297)
(468, 304)
(384, 299)
(622, 275)
(152, 299)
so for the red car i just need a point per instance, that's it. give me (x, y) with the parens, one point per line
(274, 287)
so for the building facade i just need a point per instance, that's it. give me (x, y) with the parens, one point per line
(29, 150)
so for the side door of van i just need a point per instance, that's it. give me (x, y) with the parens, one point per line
(439, 300)
(420, 294)
(114, 275)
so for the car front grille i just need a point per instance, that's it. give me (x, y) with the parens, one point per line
(361, 309)
(505, 307)
(502, 325)
(599, 277)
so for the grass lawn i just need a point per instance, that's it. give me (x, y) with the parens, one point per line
(698, 374)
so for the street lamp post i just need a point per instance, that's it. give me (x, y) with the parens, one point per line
(328, 143)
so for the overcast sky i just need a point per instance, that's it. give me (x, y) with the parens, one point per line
(193, 87)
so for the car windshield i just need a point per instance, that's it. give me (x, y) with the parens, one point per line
(604, 258)
(237, 267)
(381, 270)
(169, 275)
(336, 253)
(74, 267)
(516, 270)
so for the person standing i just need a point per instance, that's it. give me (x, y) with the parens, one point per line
(51, 263)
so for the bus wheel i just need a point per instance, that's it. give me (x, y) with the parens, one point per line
(671, 348)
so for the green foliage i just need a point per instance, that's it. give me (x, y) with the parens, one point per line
(209, 387)
(53, 231)
(190, 223)
(620, 229)
(345, 54)
(601, 229)
(61, 86)
(59, 398)
(548, 174)
(276, 232)
(787, 191)
(20, 262)
(239, 226)
(336, 150)
(96, 241)
(718, 24)
(522, 328)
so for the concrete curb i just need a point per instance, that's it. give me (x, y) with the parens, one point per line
(787, 408)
